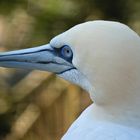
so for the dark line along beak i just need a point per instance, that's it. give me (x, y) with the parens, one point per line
(41, 58)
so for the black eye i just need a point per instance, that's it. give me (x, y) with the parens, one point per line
(66, 52)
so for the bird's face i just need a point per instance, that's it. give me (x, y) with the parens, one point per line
(58, 56)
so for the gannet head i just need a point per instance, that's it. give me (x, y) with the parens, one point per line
(100, 56)
(106, 58)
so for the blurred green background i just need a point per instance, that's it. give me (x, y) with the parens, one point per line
(38, 105)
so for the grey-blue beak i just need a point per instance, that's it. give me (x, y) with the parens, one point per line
(41, 58)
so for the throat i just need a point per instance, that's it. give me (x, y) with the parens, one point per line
(78, 78)
(110, 104)
(123, 115)
(117, 105)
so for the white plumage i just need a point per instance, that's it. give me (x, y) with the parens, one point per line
(102, 57)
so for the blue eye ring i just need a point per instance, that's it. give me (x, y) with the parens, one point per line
(66, 52)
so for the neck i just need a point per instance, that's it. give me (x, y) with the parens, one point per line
(116, 92)
(118, 106)
(123, 117)
(113, 101)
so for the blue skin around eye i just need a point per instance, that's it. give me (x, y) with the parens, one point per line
(65, 53)
(62, 53)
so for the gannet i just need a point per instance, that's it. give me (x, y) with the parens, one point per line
(103, 57)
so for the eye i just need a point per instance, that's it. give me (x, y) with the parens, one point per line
(66, 52)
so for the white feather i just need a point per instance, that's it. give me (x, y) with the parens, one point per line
(107, 58)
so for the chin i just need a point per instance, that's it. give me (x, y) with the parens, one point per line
(76, 77)
(72, 76)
